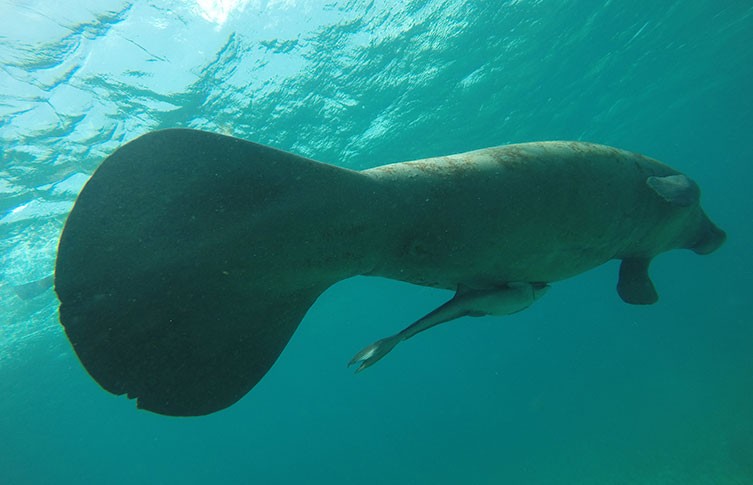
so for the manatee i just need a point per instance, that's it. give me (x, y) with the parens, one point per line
(190, 258)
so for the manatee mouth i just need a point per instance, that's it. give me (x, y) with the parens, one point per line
(710, 239)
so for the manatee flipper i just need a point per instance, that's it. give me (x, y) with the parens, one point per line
(180, 270)
(504, 300)
(678, 190)
(634, 285)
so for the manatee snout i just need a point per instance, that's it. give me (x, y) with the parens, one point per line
(710, 237)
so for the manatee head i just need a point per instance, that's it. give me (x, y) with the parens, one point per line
(708, 236)
(684, 197)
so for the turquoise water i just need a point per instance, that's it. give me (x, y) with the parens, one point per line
(580, 388)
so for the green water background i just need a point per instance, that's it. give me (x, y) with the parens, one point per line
(580, 388)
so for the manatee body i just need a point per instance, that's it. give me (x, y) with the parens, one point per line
(532, 212)
(190, 258)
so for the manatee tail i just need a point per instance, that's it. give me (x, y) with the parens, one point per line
(181, 272)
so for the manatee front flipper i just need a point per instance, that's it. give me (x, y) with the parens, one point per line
(634, 285)
(678, 190)
(180, 272)
(506, 300)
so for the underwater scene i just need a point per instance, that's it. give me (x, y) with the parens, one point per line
(569, 372)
